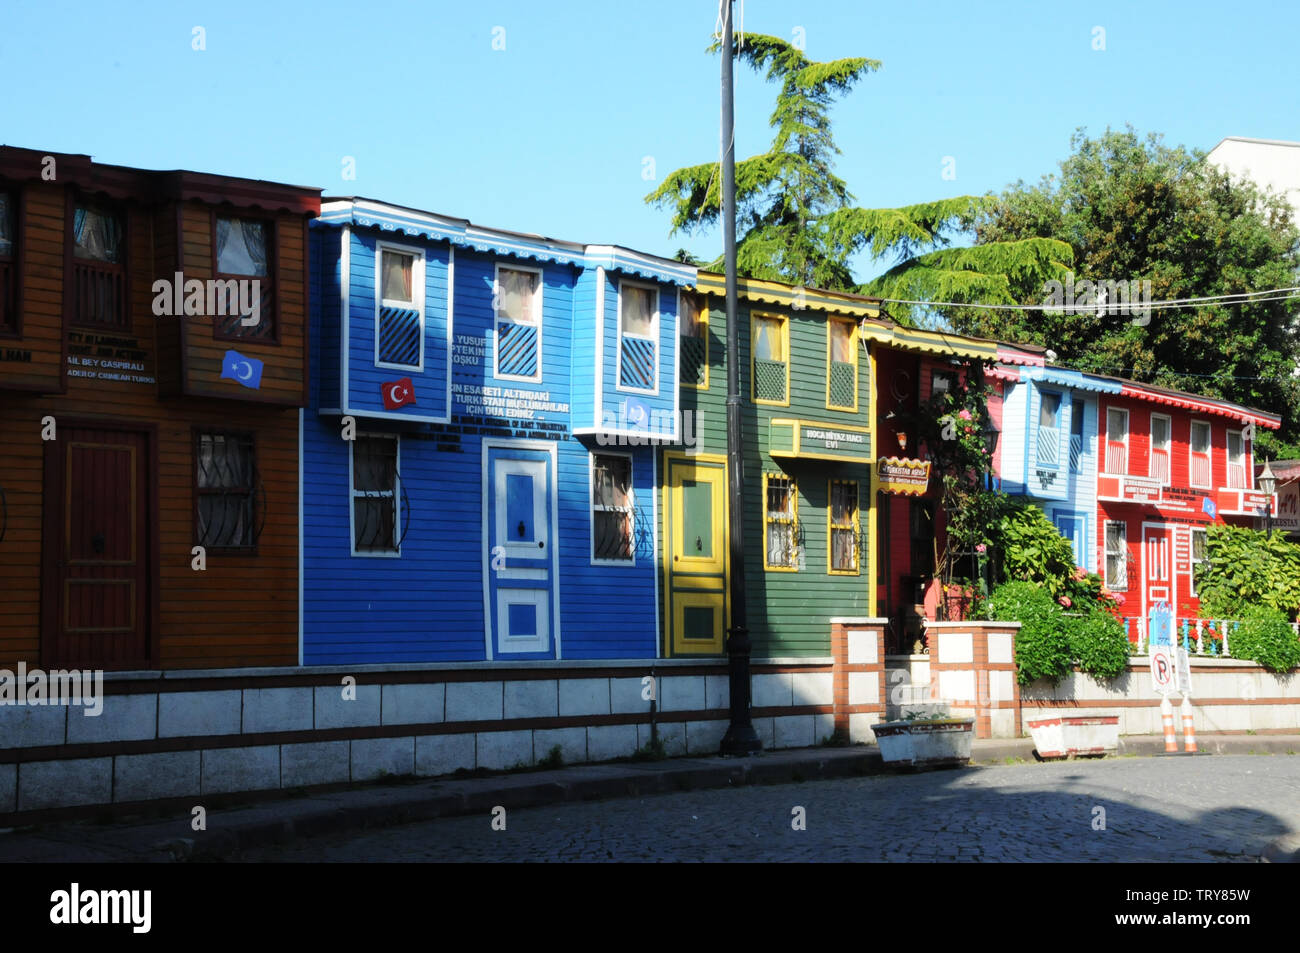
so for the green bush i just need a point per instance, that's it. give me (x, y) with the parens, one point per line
(1246, 567)
(1042, 644)
(1265, 637)
(1098, 644)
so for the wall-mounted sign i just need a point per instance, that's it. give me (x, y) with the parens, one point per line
(902, 476)
(1141, 490)
(1234, 502)
(808, 439)
(105, 357)
(1128, 489)
(1287, 518)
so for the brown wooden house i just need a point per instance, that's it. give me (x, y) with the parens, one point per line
(148, 458)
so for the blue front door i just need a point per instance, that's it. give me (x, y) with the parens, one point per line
(520, 566)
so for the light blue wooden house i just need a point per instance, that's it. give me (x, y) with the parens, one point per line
(477, 456)
(1048, 448)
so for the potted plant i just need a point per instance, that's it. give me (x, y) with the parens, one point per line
(928, 739)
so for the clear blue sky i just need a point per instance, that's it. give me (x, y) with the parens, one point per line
(549, 134)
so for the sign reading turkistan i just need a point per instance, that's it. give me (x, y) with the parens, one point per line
(902, 476)
(812, 440)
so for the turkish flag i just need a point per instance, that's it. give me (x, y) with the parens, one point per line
(397, 393)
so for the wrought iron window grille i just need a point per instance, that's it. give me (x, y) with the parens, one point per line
(231, 508)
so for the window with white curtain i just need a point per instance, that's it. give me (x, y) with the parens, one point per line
(518, 305)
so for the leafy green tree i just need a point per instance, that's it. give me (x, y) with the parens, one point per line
(795, 220)
(1133, 209)
(1245, 568)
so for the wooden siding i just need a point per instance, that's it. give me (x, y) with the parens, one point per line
(426, 605)
(33, 361)
(283, 379)
(364, 378)
(613, 396)
(788, 612)
(241, 610)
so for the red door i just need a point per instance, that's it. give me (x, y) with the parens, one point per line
(96, 549)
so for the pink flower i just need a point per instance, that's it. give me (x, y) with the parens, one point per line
(1065, 601)
(981, 548)
(964, 414)
(1119, 600)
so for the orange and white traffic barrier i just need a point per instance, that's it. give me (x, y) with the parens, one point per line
(1189, 732)
(1167, 716)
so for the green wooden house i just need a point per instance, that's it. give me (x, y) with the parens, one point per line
(805, 376)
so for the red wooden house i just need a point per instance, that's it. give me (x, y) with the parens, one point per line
(1170, 464)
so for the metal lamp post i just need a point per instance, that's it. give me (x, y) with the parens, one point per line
(741, 738)
(1268, 483)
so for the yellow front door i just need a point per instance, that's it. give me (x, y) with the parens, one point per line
(695, 517)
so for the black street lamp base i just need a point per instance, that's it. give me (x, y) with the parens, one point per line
(740, 740)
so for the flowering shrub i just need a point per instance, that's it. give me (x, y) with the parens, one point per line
(1050, 641)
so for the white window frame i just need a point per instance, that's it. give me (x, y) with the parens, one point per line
(1043, 395)
(417, 294)
(497, 318)
(592, 508)
(1191, 556)
(1168, 449)
(1106, 553)
(1081, 418)
(1209, 453)
(1105, 440)
(1246, 481)
(353, 493)
(653, 338)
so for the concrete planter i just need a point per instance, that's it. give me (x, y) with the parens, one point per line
(926, 743)
(1062, 736)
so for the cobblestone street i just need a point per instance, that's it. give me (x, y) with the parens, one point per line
(1219, 808)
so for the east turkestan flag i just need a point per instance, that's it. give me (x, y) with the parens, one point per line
(243, 370)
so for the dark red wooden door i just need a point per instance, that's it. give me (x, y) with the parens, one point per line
(97, 558)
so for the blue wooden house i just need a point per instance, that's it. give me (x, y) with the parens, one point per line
(477, 453)
(1048, 448)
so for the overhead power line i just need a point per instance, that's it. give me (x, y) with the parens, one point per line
(1225, 300)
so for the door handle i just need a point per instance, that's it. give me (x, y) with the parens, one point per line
(699, 545)
(541, 544)
(97, 542)
(521, 529)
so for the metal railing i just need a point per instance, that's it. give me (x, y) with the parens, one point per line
(1212, 637)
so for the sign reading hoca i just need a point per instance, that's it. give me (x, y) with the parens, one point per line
(208, 298)
(811, 440)
(902, 476)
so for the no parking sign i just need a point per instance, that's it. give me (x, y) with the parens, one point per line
(1163, 671)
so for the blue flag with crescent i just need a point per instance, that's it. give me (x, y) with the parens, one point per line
(243, 370)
